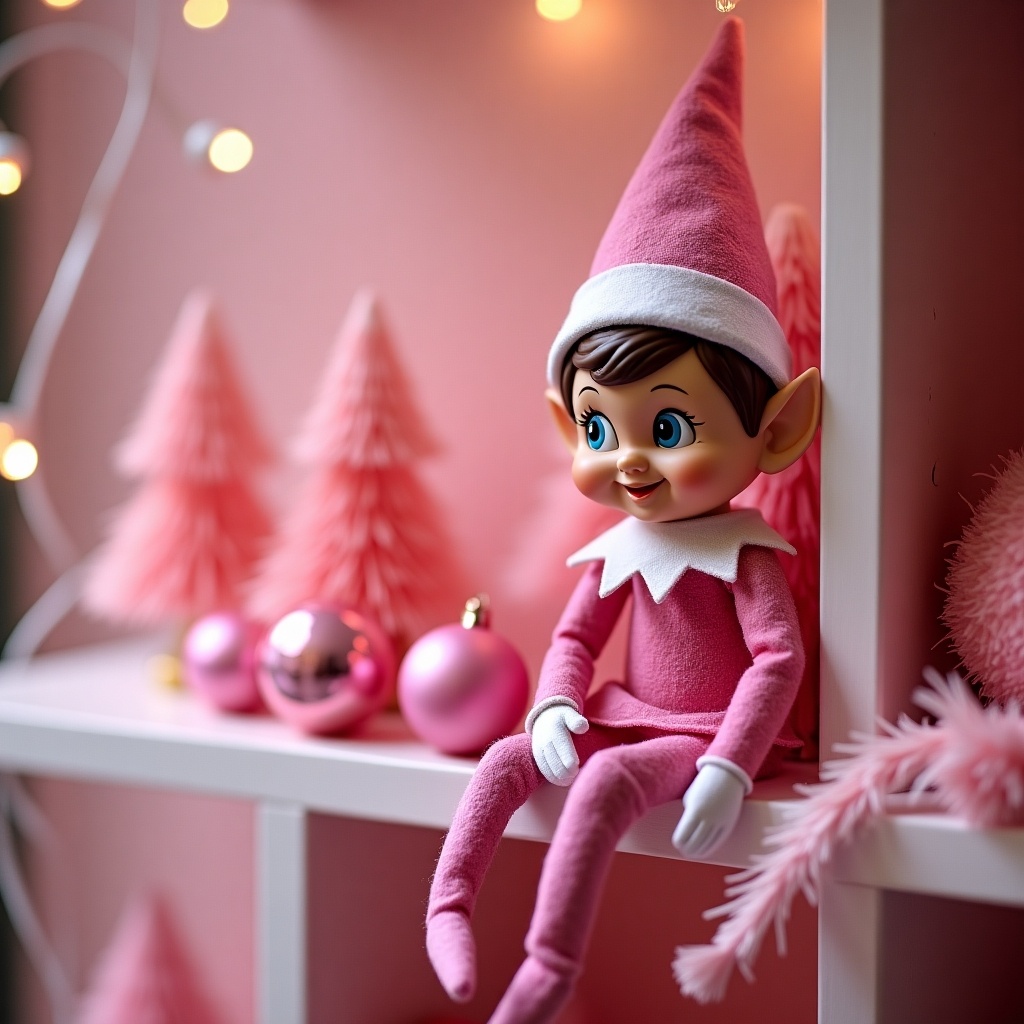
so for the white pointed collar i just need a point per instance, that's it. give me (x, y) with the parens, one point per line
(662, 552)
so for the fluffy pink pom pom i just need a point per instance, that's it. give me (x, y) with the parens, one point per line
(985, 606)
(979, 773)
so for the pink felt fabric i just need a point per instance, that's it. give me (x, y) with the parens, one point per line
(715, 659)
(712, 670)
(691, 201)
(619, 782)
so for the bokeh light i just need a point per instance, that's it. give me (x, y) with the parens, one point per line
(19, 460)
(559, 10)
(204, 13)
(10, 177)
(230, 150)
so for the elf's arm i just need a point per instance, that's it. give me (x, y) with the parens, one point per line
(757, 711)
(567, 673)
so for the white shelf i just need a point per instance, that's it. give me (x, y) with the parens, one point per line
(92, 714)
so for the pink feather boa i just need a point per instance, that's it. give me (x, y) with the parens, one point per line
(972, 758)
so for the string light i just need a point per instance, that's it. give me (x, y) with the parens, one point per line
(558, 10)
(226, 149)
(230, 150)
(725, 6)
(10, 177)
(61, 5)
(19, 459)
(204, 13)
(13, 162)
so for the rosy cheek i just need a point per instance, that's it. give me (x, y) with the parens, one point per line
(696, 469)
(590, 474)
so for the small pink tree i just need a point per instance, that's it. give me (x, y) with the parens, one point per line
(144, 976)
(791, 500)
(186, 543)
(364, 532)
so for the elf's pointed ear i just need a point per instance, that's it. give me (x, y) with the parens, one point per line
(563, 419)
(790, 420)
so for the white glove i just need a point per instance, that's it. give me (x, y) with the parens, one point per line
(711, 807)
(553, 749)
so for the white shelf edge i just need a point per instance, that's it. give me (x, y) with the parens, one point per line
(90, 715)
(936, 855)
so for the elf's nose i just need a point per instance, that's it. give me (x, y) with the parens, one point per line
(632, 460)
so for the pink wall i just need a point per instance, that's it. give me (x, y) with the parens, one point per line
(461, 156)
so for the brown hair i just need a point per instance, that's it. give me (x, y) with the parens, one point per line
(622, 355)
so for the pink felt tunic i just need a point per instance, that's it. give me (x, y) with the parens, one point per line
(715, 659)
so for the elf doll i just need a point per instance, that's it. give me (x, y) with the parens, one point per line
(670, 383)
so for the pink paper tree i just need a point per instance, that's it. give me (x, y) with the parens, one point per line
(364, 532)
(790, 500)
(186, 543)
(144, 976)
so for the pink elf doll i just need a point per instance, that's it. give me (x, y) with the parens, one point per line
(670, 383)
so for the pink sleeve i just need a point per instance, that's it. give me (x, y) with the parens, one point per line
(579, 638)
(766, 691)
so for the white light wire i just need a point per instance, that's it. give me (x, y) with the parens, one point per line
(14, 802)
(40, 514)
(138, 64)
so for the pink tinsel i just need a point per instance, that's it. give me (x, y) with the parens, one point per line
(985, 606)
(144, 976)
(973, 759)
(363, 531)
(186, 542)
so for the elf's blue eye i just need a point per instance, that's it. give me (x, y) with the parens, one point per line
(600, 433)
(673, 429)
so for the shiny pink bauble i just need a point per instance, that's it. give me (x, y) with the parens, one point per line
(460, 689)
(218, 661)
(325, 671)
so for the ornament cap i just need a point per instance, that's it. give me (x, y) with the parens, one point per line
(477, 613)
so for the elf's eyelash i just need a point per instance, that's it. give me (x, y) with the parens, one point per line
(586, 416)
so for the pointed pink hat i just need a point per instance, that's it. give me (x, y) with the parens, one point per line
(685, 248)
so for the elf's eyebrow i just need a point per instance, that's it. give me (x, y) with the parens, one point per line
(587, 387)
(658, 387)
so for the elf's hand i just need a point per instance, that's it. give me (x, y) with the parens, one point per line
(553, 749)
(711, 807)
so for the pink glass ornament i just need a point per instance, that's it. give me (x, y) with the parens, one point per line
(218, 661)
(460, 687)
(325, 671)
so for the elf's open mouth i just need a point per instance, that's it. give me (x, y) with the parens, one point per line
(643, 492)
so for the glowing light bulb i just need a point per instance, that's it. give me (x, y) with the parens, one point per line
(19, 459)
(230, 150)
(14, 161)
(725, 6)
(559, 10)
(61, 5)
(205, 13)
(10, 177)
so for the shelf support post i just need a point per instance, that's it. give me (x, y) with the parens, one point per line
(281, 971)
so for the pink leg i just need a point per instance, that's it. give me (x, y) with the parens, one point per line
(615, 788)
(501, 784)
